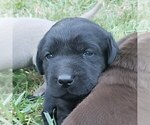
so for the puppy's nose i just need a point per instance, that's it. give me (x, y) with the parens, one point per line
(65, 80)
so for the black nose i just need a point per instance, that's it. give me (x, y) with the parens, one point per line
(65, 80)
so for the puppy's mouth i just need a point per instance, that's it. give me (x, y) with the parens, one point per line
(80, 91)
(74, 90)
(68, 92)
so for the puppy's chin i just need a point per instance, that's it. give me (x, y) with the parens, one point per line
(72, 92)
(69, 92)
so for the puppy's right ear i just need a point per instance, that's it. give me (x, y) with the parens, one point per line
(112, 49)
(39, 61)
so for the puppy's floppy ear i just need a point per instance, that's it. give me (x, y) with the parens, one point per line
(39, 61)
(112, 49)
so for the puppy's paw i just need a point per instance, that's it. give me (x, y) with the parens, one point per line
(40, 91)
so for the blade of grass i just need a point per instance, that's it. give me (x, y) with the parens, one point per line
(19, 99)
(8, 99)
(48, 118)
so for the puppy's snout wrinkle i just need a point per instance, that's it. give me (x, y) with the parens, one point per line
(65, 80)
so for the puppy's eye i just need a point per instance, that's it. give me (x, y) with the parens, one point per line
(48, 55)
(88, 53)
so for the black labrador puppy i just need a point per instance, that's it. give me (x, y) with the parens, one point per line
(72, 55)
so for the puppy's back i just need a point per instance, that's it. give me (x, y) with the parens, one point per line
(114, 99)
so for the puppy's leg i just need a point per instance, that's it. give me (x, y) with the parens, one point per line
(41, 90)
(49, 105)
(92, 12)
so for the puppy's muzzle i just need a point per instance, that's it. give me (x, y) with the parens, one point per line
(65, 80)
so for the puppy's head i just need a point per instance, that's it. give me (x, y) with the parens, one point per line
(73, 54)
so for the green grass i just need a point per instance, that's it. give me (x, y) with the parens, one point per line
(117, 16)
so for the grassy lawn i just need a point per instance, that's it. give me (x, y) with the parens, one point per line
(117, 16)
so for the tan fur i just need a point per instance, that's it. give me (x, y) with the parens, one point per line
(114, 99)
(20, 37)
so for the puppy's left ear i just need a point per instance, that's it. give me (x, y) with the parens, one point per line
(39, 63)
(112, 49)
(38, 58)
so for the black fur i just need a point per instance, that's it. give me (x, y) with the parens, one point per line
(76, 51)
